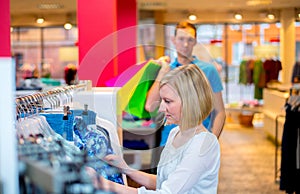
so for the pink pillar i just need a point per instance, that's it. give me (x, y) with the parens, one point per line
(5, 29)
(127, 39)
(107, 40)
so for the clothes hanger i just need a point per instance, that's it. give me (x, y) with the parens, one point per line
(294, 99)
(29, 126)
(34, 129)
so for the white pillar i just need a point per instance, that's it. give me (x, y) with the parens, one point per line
(8, 144)
(287, 43)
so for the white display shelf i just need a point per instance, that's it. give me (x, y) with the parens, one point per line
(274, 112)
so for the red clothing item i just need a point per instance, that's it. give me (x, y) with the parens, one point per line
(272, 69)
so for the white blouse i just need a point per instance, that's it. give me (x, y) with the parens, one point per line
(190, 169)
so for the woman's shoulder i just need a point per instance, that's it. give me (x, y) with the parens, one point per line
(207, 136)
(172, 134)
(206, 142)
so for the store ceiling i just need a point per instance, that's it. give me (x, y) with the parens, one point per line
(58, 11)
(218, 5)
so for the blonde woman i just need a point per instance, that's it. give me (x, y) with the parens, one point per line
(190, 161)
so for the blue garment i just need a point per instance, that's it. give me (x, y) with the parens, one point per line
(65, 127)
(209, 70)
(215, 82)
(95, 141)
(68, 127)
(89, 116)
(56, 122)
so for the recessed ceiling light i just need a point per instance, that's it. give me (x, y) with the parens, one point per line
(238, 16)
(68, 26)
(271, 16)
(40, 20)
(192, 17)
(258, 2)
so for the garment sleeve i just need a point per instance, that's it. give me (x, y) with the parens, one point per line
(201, 162)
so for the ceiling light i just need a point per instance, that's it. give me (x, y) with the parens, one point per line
(192, 17)
(68, 26)
(258, 2)
(270, 16)
(297, 13)
(40, 20)
(238, 16)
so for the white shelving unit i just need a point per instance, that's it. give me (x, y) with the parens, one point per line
(274, 102)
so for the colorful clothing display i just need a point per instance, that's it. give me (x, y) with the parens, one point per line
(95, 141)
(259, 72)
(79, 126)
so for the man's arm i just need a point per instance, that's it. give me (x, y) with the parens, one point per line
(218, 115)
(153, 97)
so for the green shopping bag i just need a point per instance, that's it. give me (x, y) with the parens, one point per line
(136, 104)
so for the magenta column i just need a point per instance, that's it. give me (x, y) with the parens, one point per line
(106, 39)
(127, 36)
(5, 29)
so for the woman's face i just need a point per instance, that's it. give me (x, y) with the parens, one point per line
(170, 104)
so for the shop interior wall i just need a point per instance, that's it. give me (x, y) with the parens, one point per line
(28, 42)
(42, 48)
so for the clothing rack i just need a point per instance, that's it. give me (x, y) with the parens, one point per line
(290, 147)
(294, 92)
(49, 161)
(277, 146)
(54, 98)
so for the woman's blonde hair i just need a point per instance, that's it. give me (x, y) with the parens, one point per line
(194, 91)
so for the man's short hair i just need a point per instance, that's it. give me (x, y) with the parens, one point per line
(184, 25)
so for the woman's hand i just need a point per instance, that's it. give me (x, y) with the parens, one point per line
(98, 181)
(118, 162)
(102, 184)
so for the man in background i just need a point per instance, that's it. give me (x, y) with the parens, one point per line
(184, 42)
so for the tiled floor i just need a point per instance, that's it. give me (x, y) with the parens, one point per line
(247, 162)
